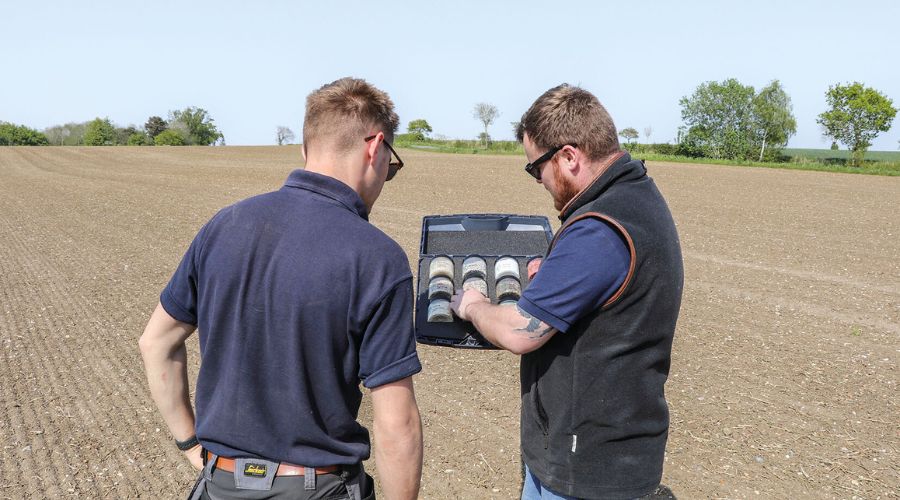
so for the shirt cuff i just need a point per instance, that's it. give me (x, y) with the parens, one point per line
(549, 319)
(174, 309)
(400, 369)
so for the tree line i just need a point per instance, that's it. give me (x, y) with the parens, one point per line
(721, 120)
(729, 120)
(189, 126)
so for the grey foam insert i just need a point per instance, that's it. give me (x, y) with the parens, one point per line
(486, 242)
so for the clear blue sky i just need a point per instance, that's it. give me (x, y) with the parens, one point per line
(251, 64)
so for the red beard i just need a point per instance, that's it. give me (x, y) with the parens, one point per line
(565, 189)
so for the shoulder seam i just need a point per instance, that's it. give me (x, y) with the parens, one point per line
(631, 250)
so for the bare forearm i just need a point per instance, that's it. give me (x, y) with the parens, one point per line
(398, 456)
(398, 439)
(508, 327)
(165, 361)
(168, 381)
(493, 322)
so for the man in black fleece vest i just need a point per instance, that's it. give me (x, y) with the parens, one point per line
(596, 323)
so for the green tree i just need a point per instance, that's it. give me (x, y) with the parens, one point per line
(169, 137)
(773, 119)
(419, 128)
(200, 127)
(154, 126)
(20, 135)
(719, 120)
(138, 139)
(856, 116)
(100, 132)
(629, 134)
(123, 134)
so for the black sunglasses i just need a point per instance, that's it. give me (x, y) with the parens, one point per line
(394, 166)
(534, 168)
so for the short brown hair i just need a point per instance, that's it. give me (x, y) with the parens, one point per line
(343, 111)
(565, 115)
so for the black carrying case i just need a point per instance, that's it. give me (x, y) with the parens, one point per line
(490, 236)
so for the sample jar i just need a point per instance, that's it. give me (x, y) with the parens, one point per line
(439, 311)
(506, 266)
(440, 288)
(474, 266)
(440, 266)
(508, 288)
(476, 283)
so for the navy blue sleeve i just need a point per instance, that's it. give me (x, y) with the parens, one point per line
(585, 268)
(388, 349)
(179, 298)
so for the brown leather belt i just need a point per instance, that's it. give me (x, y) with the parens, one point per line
(284, 469)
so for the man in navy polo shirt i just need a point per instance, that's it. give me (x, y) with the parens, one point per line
(297, 299)
(595, 325)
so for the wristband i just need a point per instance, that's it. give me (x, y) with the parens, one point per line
(188, 443)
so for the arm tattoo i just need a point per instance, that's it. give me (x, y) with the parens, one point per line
(531, 329)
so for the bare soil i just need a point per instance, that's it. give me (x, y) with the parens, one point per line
(784, 375)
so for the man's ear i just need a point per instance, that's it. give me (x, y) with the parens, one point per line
(372, 149)
(303, 152)
(568, 159)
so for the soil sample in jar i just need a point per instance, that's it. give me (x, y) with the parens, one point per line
(508, 288)
(476, 283)
(506, 266)
(440, 288)
(474, 266)
(439, 311)
(440, 266)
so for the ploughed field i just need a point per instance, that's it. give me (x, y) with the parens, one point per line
(784, 374)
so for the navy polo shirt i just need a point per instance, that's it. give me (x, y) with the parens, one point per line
(585, 268)
(297, 299)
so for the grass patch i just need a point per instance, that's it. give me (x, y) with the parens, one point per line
(795, 163)
(827, 155)
(459, 146)
(824, 160)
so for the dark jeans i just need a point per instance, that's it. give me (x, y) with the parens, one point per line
(337, 486)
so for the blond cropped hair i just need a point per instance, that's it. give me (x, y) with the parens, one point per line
(341, 113)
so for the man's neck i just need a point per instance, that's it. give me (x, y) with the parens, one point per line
(344, 171)
(337, 169)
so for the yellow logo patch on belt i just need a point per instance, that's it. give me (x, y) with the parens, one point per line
(255, 470)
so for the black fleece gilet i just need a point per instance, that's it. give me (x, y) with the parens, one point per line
(594, 415)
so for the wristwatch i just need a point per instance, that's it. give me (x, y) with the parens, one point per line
(188, 443)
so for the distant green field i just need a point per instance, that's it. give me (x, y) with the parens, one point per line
(876, 162)
(828, 154)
